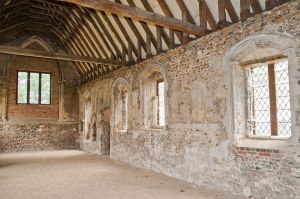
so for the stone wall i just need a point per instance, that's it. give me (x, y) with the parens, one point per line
(205, 140)
(100, 97)
(39, 136)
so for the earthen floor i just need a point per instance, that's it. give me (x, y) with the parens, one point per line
(77, 175)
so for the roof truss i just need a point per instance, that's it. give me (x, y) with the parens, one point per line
(118, 31)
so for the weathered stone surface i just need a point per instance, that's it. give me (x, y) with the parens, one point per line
(199, 142)
(42, 136)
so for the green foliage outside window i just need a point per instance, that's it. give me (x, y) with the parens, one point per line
(34, 88)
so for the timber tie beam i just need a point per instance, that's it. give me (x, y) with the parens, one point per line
(58, 56)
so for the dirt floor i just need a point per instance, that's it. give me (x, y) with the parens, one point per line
(77, 175)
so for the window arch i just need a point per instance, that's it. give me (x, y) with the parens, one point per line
(256, 57)
(87, 114)
(120, 100)
(93, 131)
(153, 97)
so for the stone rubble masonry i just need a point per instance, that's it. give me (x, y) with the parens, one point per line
(42, 136)
(197, 144)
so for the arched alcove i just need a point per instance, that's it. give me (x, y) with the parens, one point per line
(120, 101)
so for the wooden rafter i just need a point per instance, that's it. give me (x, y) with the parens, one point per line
(206, 16)
(118, 37)
(245, 8)
(145, 26)
(226, 5)
(166, 10)
(140, 15)
(86, 32)
(162, 31)
(66, 31)
(95, 19)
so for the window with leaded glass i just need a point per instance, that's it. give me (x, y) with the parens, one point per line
(33, 88)
(270, 100)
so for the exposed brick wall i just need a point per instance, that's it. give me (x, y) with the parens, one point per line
(259, 153)
(19, 111)
(39, 127)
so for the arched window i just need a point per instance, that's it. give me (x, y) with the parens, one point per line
(87, 114)
(261, 86)
(153, 100)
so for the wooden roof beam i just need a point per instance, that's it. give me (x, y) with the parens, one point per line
(140, 15)
(9, 50)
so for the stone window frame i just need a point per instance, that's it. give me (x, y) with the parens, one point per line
(86, 99)
(115, 84)
(236, 122)
(94, 126)
(154, 67)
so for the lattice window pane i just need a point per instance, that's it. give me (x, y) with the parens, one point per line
(261, 101)
(283, 99)
(34, 88)
(22, 87)
(45, 88)
(161, 104)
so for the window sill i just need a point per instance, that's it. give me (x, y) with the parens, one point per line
(90, 141)
(34, 105)
(267, 137)
(120, 131)
(263, 143)
(156, 129)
